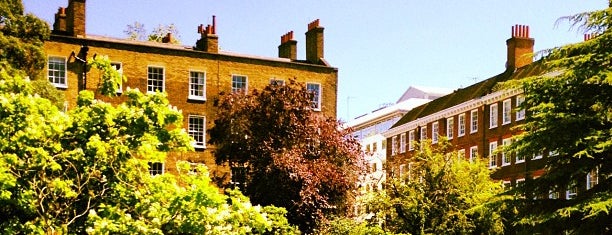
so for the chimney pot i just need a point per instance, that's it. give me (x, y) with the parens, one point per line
(214, 24)
(314, 42)
(520, 47)
(288, 47)
(167, 38)
(209, 41)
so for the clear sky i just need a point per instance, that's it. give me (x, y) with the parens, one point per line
(380, 47)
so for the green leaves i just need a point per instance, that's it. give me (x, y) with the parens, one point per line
(439, 194)
(110, 78)
(569, 114)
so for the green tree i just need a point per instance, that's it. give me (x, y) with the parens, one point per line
(439, 194)
(21, 39)
(21, 46)
(292, 156)
(570, 116)
(86, 170)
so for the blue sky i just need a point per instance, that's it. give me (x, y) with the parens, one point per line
(379, 47)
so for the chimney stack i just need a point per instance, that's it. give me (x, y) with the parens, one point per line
(314, 42)
(288, 47)
(60, 21)
(209, 41)
(71, 20)
(167, 38)
(520, 48)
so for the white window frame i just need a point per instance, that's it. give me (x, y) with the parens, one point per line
(519, 181)
(120, 70)
(553, 194)
(461, 154)
(506, 111)
(493, 112)
(589, 182)
(233, 181)
(519, 158)
(473, 153)
(154, 172)
(200, 83)
(474, 121)
(193, 167)
(535, 157)
(450, 127)
(506, 156)
(461, 127)
(197, 130)
(150, 87)
(520, 113)
(423, 133)
(58, 75)
(492, 154)
(553, 153)
(280, 82)
(571, 191)
(411, 139)
(235, 88)
(316, 103)
(434, 132)
(393, 145)
(403, 143)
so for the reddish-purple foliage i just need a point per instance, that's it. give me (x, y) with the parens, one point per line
(294, 157)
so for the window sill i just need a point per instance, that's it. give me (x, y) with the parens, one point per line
(60, 86)
(196, 98)
(506, 164)
(519, 161)
(199, 146)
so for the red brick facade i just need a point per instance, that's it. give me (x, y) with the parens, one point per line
(483, 100)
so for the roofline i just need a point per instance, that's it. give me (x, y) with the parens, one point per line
(452, 111)
(184, 49)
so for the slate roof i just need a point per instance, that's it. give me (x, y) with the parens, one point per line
(465, 94)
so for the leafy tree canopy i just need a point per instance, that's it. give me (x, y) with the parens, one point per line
(292, 156)
(86, 171)
(438, 193)
(570, 117)
(21, 39)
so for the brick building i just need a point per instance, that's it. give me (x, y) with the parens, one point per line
(476, 120)
(192, 76)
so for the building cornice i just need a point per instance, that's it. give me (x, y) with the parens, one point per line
(185, 50)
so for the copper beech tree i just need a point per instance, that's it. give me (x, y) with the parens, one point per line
(283, 153)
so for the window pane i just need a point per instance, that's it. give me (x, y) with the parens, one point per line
(155, 81)
(197, 130)
(239, 84)
(57, 71)
(197, 85)
(315, 91)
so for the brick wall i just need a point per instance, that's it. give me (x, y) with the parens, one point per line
(177, 62)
